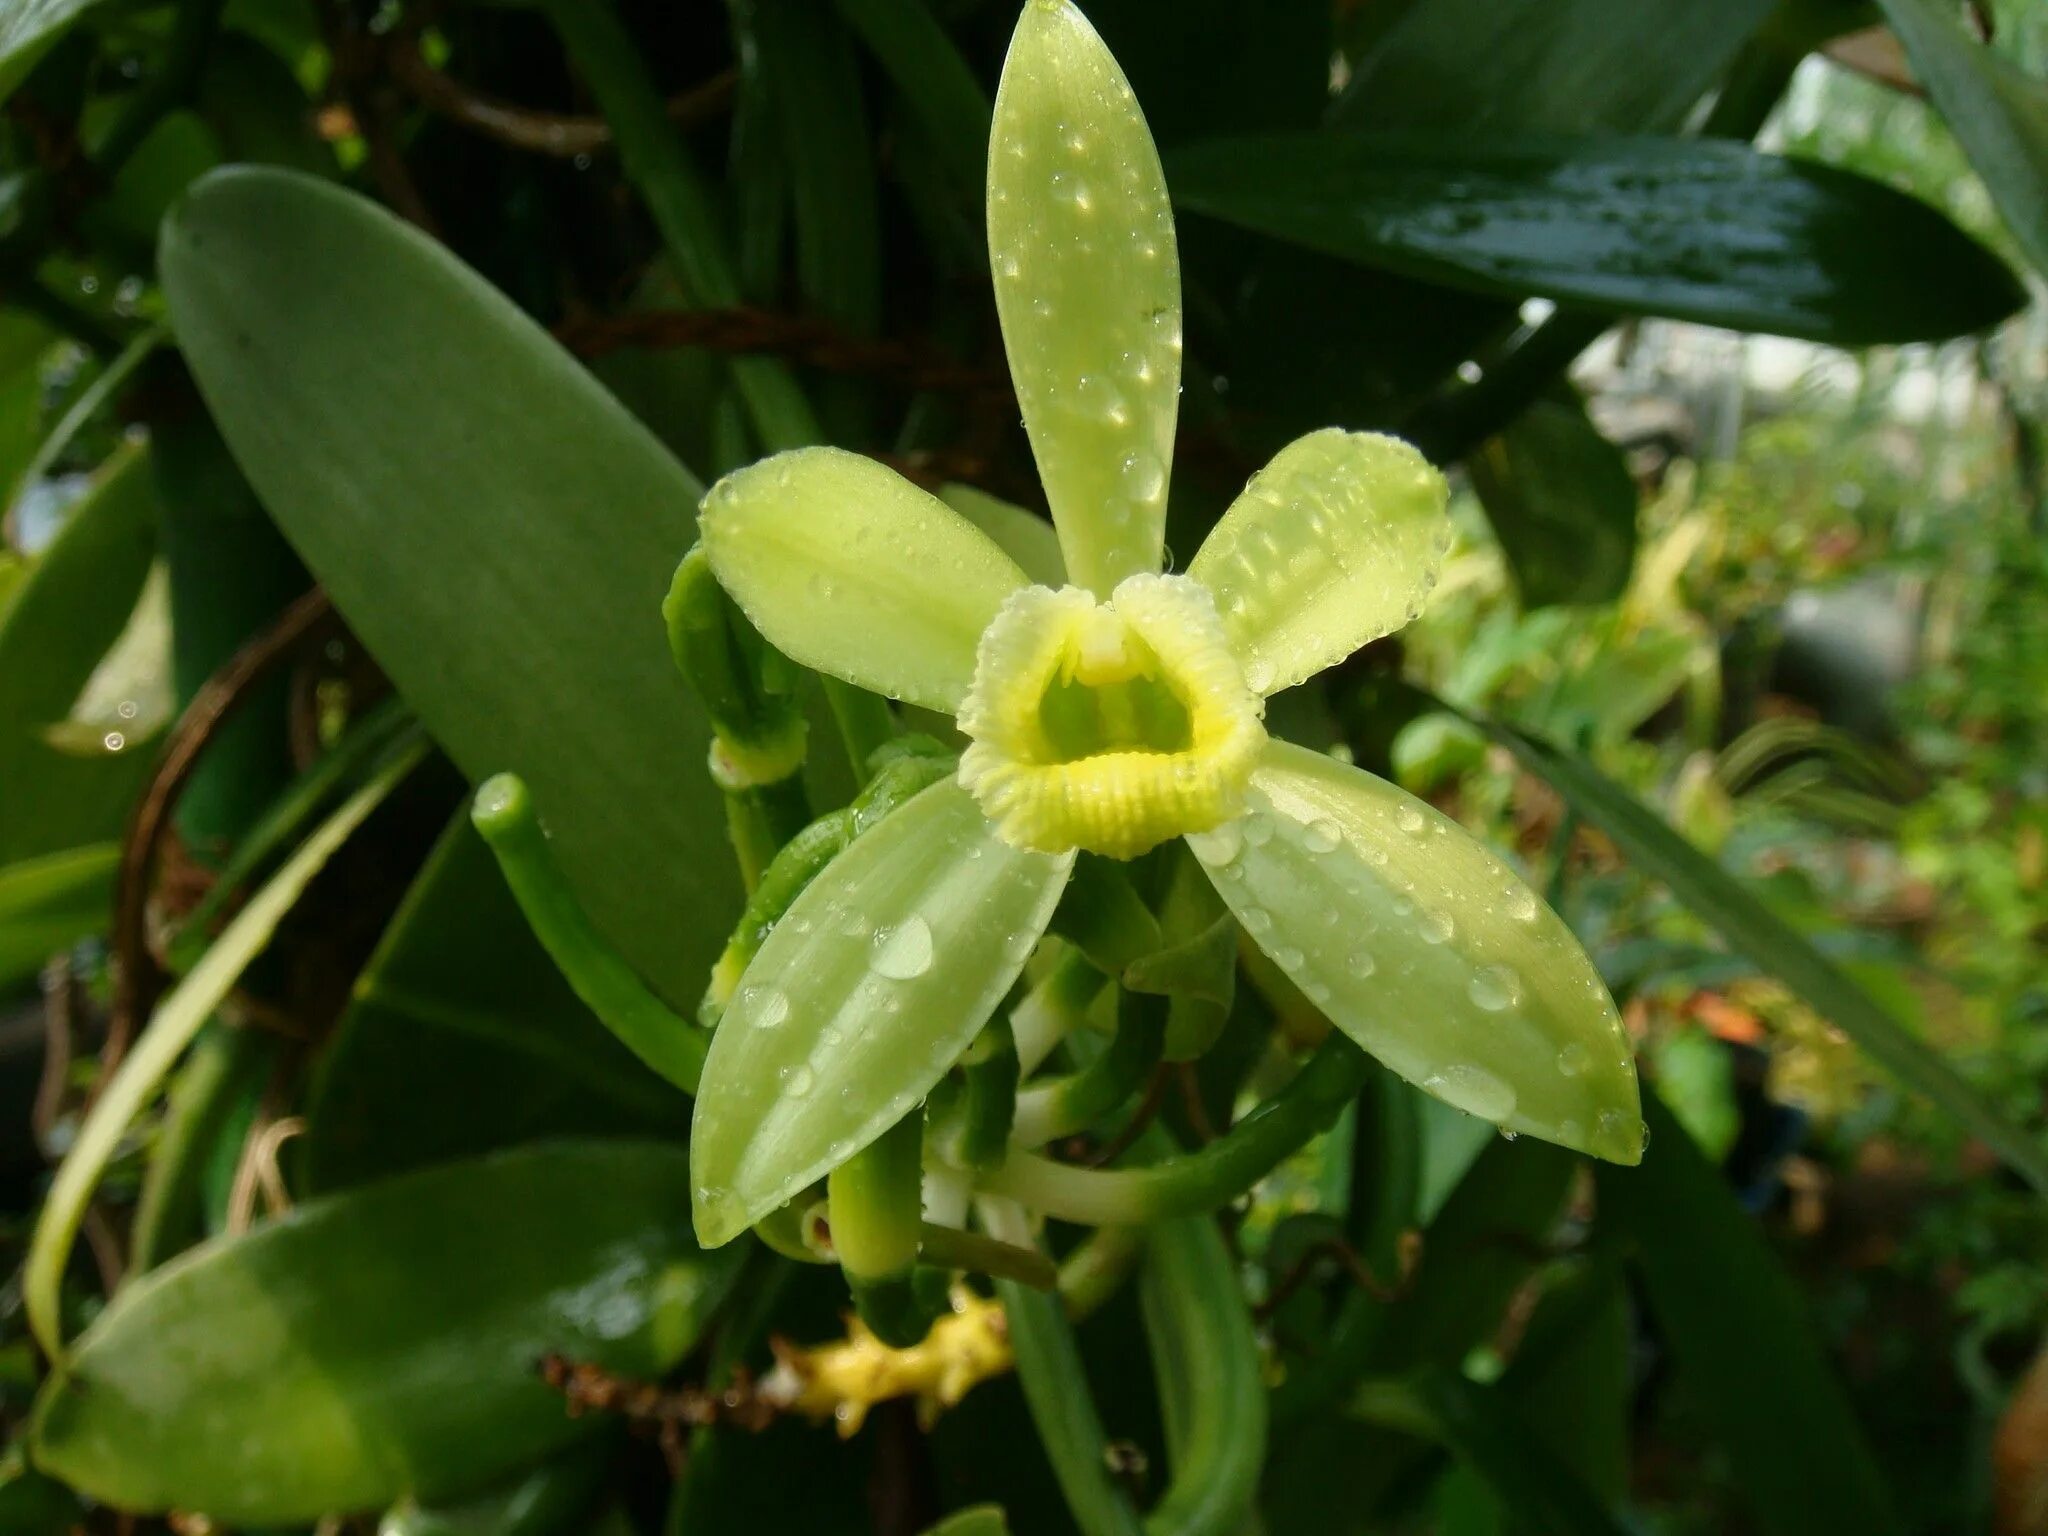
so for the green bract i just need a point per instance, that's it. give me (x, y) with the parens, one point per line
(1113, 714)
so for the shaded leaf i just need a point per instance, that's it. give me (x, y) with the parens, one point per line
(48, 904)
(28, 29)
(1746, 1353)
(1562, 504)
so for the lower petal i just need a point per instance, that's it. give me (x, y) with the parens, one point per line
(1423, 946)
(865, 993)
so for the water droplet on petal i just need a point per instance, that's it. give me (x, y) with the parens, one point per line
(1474, 1090)
(1572, 1059)
(771, 1007)
(1220, 845)
(1143, 477)
(1360, 963)
(1321, 837)
(1495, 988)
(1522, 905)
(1256, 920)
(1436, 927)
(1289, 959)
(797, 1081)
(1258, 829)
(904, 952)
(1409, 818)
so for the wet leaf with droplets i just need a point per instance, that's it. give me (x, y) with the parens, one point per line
(1443, 964)
(860, 999)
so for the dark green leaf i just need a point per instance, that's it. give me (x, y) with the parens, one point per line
(62, 619)
(1997, 110)
(1751, 927)
(1498, 1443)
(496, 528)
(1562, 504)
(462, 1038)
(383, 1343)
(50, 903)
(27, 29)
(1550, 66)
(1746, 1354)
(1693, 229)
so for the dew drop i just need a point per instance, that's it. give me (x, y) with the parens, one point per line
(1572, 1059)
(1495, 988)
(1258, 829)
(1143, 477)
(797, 1081)
(904, 952)
(771, 1007)
(1219, 846)
(1360, 963)
(1474, 1090)
(1289, 959)
(1256, 920)
(1409, 818)
(1322, 836)
(1436, 927)
(1258, 676)
(1522, 905)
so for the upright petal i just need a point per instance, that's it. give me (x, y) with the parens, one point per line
(1427, 950)
(1087, 282)
(876, 979)
(851, 570)
(1334, 543)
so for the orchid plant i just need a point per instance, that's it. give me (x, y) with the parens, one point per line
(1105, 713)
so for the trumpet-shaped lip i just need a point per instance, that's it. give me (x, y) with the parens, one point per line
(1109, 726)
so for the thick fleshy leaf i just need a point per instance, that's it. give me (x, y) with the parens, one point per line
(1024, 536)
(1692, 229)
(1087, 277)
(1334, 543)
(496, 528)
(850, 569)
(1425, 948)
(383, 1343)
(877, 978)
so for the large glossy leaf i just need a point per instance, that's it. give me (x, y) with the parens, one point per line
(50, 903)
(383, 1343)
(862, 996)
(62, 618)
(1694, 229)
(461, 1037)
(1752, 928)
(1562, 503)
(1997, 110)
(498, 530)
(1747, 1357)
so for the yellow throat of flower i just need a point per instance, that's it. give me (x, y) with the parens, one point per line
(1108, 726)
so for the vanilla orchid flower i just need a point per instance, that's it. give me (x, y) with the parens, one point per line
(1117, 711)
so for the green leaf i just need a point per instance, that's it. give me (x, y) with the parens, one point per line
(1555, 66)
(873, 982)
(1336, 542)
(1423, 946)
(1753, 929)
(1693, 229)
(981, 1520)
(1562, 503)
(1997, 111)
(1487, 1432)
(461, 1038)
(497, 529)
(382, 1343)
(64, 616)
(28, 29)
(48, 904)
(1746, 1354)
(848, 568)
(1087, 272)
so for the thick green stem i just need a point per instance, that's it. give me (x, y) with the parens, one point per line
(1197, 1181)
(877, 1202)
(1062, 1106)
(952, 1248)
(1055, 1008)
(503, 812)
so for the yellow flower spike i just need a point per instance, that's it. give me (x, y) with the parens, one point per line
(843, 1380)
(1117, 712)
